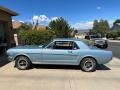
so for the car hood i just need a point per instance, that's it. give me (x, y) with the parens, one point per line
(97, 39)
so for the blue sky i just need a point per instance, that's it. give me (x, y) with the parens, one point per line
(79, 13)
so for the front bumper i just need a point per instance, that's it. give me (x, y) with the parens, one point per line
(10, 58)
(101, 45)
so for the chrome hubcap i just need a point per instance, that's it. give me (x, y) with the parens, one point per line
(88, 65)
(22, 63)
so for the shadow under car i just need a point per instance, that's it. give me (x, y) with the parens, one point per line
(67, 67)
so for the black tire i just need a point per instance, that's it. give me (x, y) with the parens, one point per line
(22, 63)
(105, 46)
(88, 64)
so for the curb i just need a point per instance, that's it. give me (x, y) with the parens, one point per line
(114, 41)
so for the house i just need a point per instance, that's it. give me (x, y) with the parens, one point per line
(15, 31)
(116, 26)
(81, 33)
(6, 36)
(17, 25)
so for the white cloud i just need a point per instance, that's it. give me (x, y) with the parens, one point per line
(83, 25)
(21, 21)
(42, 19)
(99, 8)
(111, 23)
(54, 18)
(13, 20)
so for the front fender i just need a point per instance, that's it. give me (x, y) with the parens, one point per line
(21, 54)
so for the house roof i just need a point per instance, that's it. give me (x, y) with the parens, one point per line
(16, 24)
(83, 31)
(116, 27)
(8, 11)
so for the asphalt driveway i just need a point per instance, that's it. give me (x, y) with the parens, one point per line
(114, 46)
(59, 78)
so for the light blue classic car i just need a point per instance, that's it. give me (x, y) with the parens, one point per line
(60, 52)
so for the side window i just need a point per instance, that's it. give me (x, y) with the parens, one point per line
(65, 45)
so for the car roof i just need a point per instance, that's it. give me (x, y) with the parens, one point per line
(66, 39)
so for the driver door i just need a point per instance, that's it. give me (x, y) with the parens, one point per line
(61, 52)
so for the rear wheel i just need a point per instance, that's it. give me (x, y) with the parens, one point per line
(88, 64)
(22, 63)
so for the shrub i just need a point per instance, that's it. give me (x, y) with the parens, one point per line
(112, 34)
(118, 33)
(31, 37)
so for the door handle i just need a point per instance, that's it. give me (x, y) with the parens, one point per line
(69, 51)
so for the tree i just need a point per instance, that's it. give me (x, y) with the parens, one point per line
(75, 31)
(116, 25)
(61, 28)
(95, 25)
(100, 27)
(116, 22)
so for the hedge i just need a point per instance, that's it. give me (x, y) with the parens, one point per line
(32, 37)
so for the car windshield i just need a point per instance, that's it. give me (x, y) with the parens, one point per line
(94, 36)
(44, 45)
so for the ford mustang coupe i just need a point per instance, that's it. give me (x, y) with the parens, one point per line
(60, 52)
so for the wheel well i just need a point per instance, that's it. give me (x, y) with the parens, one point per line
(88, 57)
(21, 55)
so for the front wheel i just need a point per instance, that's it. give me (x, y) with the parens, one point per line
(105, 46)
(22, 63)
(88, 64)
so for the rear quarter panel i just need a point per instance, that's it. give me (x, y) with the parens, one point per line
(101, 56)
